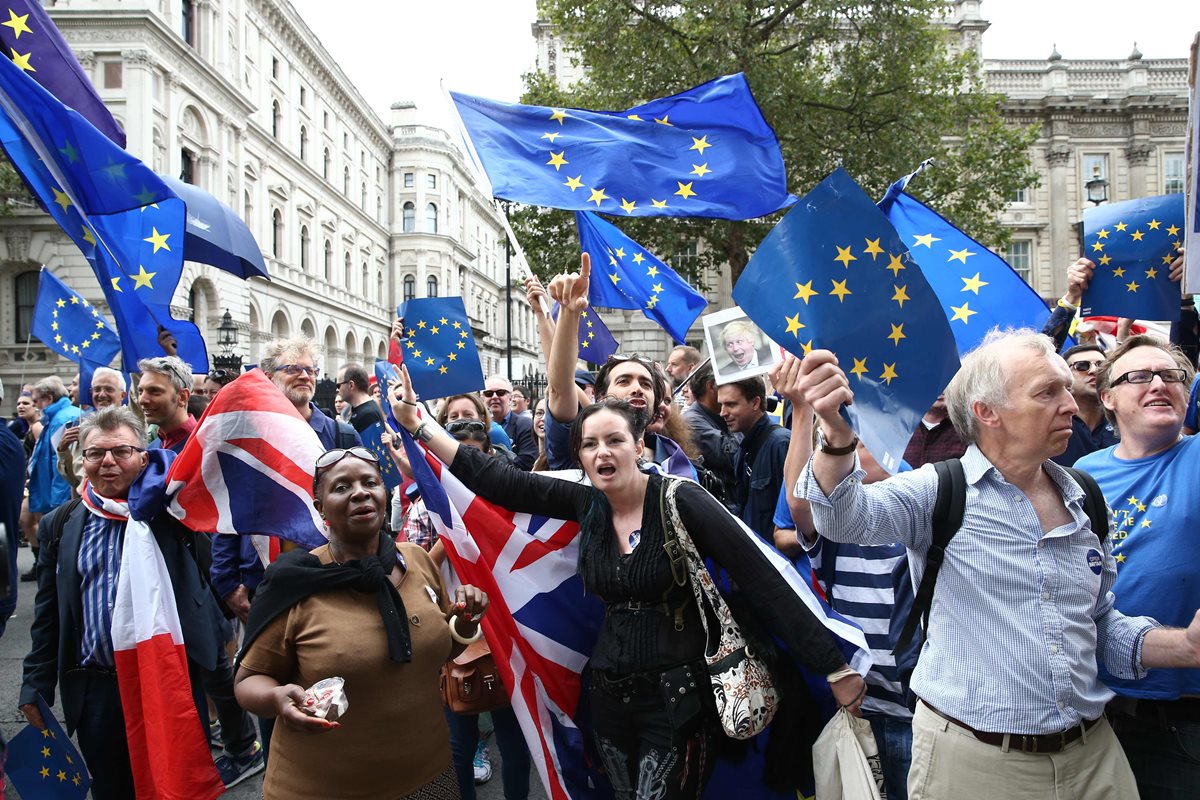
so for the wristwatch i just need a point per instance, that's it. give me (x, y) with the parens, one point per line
(838, 451)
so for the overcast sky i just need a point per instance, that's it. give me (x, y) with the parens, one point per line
(401, 49)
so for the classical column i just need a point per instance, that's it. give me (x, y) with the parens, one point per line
(1138, 156)
(1064, 248)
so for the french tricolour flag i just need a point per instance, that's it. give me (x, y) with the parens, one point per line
(167, 746)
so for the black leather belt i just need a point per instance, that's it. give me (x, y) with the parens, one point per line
(1035, 743)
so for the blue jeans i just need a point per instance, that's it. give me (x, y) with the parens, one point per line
(514, 754)
(894, 737)
(1163, 753)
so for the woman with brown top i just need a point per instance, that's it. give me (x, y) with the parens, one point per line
(373, 612)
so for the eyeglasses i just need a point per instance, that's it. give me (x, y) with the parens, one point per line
(297, 369)
(495, 392)
(1085, 366)
(124, 452)
(331, 457)
(1147, 375)
(467, 429)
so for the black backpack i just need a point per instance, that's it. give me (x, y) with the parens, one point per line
(947, 519)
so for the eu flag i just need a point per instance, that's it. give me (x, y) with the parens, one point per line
(626, 275)
(123, 218)
(70, 325)
(438, 347)
(34, 43)
(45, 764)
(1133, 244)
(707, 152)
(977, 289)
(835, 274)
(372, 439)
(387, 373)
(596, 342)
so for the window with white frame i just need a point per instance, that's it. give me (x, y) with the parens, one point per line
(1173, 169)
(1020, 257)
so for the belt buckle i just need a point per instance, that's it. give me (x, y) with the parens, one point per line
(1029, 744)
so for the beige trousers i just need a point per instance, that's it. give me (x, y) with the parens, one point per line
(948, 763)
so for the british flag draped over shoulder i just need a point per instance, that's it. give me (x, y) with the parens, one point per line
(541, 625)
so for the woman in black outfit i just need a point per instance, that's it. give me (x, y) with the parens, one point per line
(652, 636)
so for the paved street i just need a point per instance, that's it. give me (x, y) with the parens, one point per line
(15, 645)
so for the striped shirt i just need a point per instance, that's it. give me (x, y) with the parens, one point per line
(861, 590)
(99, 567)
(1020, 617)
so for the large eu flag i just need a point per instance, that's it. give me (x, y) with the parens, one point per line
(439, 348)
(978, 290)
(707, 152)
(627, 275)
(1133, 244)
(834, 274)
(123, 218)
(70, 325)
(31, 39)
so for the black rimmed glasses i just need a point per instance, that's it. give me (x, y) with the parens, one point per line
(1147, 375)
(299, 369)
(123, 452)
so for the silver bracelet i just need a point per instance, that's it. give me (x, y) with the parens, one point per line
(458, 637)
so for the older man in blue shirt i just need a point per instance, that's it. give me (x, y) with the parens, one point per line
(1011, 702)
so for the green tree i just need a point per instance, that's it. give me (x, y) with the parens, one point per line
(876, 86)
(12, 188)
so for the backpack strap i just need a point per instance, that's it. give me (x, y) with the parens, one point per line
(1094, 504)
(59, 525)
(947, 518)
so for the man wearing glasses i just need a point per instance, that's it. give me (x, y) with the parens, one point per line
(497, 396)
(1090, 429)
(353, 385)
(1150, 482)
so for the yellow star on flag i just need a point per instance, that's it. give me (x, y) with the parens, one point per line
(1118, 272)
(844, 256)
(628, 205)
(558, 115)
(416, 353)
(1102, 233)
(1104, 260)
(901, 294)
(804, 291)
(873, 248)
(22, 60)
(638, 258)
(557, 160)
(434, 329)
(1172, 231)
(1120, 558)
(895, 265)
(62, 776)
(860, 368)
(61, 303)
(615, 278)
(1167, 259)
(699, 144)
(1098, 247)
(87, 235)
(1137, 235)
(700, 170)
(115, 286)
(453, 356)
(840, 291)
(664, 121)
(1132, 286)
(443, 321)
(1152, 273)
(45, 752)
(1120, 226)
(651, 271)
(973, 284)
(143, 278)
(959, 255)
(962, 313)
(806, 347)
(460, 345)
(926, 239)
(17, 23)
(44, 772)
(75, 301)
(889, 372)
(442, 369)
(1146, 523)
(574, 183)
(897, 333)
(685, 189)
(620, 252)
(598, 196)
(60, 198)
(794, 325)
(658, 203)
(1153, 224)
(159, 240)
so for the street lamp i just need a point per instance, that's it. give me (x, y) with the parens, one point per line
(1097, 188)
(227, 341)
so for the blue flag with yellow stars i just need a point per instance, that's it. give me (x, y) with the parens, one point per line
(1132, 244)
(44, 763)
(834, 274)
(70, 325)
(123, 218)
(34, 43)
(626, 275)
(596, 342)
(706, 152)
(978, 290)
(387, 374)
(372, 439)
(439, 349)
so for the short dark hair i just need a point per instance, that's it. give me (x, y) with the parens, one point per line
(752, 388)
(636, 418)
(357, 374)
(701, 380)
(1082, 348)
(603, 373)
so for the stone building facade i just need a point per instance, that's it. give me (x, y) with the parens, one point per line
(353, 213)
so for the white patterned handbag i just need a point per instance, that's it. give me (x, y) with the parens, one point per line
(745, 695)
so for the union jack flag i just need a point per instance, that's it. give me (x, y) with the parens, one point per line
(541, 625)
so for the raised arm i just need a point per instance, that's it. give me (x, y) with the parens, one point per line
(785, 378)
(570, 291)
(536, 294)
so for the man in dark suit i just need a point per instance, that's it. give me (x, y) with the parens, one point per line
(77, 581)
(12, 484)
(497, 396)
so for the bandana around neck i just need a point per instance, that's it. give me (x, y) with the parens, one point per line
(103, 506)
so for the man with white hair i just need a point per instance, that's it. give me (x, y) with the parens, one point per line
(1010, 701)
(108, 389)
(1149, 479)
(497, 396)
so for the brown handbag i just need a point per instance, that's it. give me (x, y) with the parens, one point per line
(471, 683)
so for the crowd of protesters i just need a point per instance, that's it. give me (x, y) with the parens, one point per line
(1056, 659)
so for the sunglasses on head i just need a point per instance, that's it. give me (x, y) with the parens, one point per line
(467, 429)
(331, 457)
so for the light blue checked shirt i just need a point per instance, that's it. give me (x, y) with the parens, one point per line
(1019, 617)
